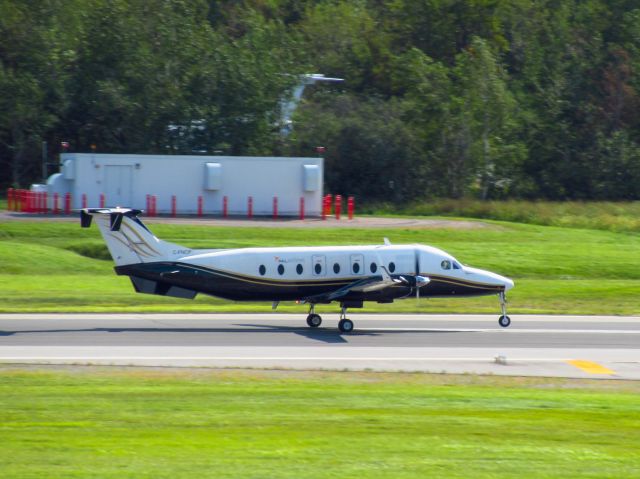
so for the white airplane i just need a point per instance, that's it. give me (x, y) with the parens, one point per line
(311, 275)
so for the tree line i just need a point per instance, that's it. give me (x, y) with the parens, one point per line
(442, 98)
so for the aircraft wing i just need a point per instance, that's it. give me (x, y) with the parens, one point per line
(366, 285)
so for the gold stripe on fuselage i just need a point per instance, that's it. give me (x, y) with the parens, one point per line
(324, 282)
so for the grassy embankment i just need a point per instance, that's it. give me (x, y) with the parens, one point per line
(557, 270)
(609, 216)
(141, 423)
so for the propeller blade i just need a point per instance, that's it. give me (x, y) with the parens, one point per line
(417, 259)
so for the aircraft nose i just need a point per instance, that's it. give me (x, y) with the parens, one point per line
(501, 280)
(508, 283)
(491, 278)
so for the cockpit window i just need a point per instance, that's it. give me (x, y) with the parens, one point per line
(446, 264)
(456, 265)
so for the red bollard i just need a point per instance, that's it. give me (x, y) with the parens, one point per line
(225, 206)
(56, 210)
(173, 205)
(328, 199)
(350, 206)
(250, 207)
(199, 205)
(84, 200)
(338, 206)
(323, 212)
(275, 207)
(302, 207)
(67, 204)
(102, 200)
(148, 208)
(10, 199)
(154, 204)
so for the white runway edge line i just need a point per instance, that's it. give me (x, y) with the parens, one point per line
(508, 331)
(312, 353)
(269, 358)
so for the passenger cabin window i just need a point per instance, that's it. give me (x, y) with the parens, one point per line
(318, 268)
(280, 270)
(299, 269)
(336, 268)
(262, 270)
(392, 267)
(373, 267)
(446, 264)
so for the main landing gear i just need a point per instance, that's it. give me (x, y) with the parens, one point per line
(314, 320)
(504, 320)
(345, 325)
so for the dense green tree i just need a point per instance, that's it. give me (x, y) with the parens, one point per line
(530, 98)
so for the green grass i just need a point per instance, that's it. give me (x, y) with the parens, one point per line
(568, 270)
(228, 424)
(612, 216)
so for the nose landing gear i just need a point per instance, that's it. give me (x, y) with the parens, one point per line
(504, 320)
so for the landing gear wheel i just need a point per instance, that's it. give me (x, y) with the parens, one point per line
(314, 320)
(345, 325)
(504, 321)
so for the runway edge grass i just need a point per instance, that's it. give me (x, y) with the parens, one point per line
(52, 267)
(160, 424)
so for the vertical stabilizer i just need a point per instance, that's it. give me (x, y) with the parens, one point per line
(128, 239)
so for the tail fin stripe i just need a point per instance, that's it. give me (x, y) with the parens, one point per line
(135, 247)
(141, 240)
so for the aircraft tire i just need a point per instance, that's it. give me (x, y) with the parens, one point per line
(345, 325)
(504, 321)
(314, 320)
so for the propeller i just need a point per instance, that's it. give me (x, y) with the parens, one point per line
(420, 280)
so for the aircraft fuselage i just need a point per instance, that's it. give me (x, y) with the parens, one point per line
(289, 274)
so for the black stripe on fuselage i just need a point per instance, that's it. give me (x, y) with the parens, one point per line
(238, 287)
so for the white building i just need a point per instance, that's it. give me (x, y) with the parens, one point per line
(126, 180)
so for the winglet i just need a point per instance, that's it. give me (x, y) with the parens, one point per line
(386, 241)
(85, 219)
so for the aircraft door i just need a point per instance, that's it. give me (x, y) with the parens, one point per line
(318, 265)
(357, 264)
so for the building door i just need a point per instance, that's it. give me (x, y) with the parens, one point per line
(117, 188)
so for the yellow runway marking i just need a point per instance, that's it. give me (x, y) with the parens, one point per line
(590, 367)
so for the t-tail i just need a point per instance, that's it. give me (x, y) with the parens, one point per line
(128, 239)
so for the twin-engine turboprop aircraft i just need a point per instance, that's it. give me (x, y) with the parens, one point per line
(311, 275)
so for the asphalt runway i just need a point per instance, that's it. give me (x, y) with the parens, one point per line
(555, 346)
